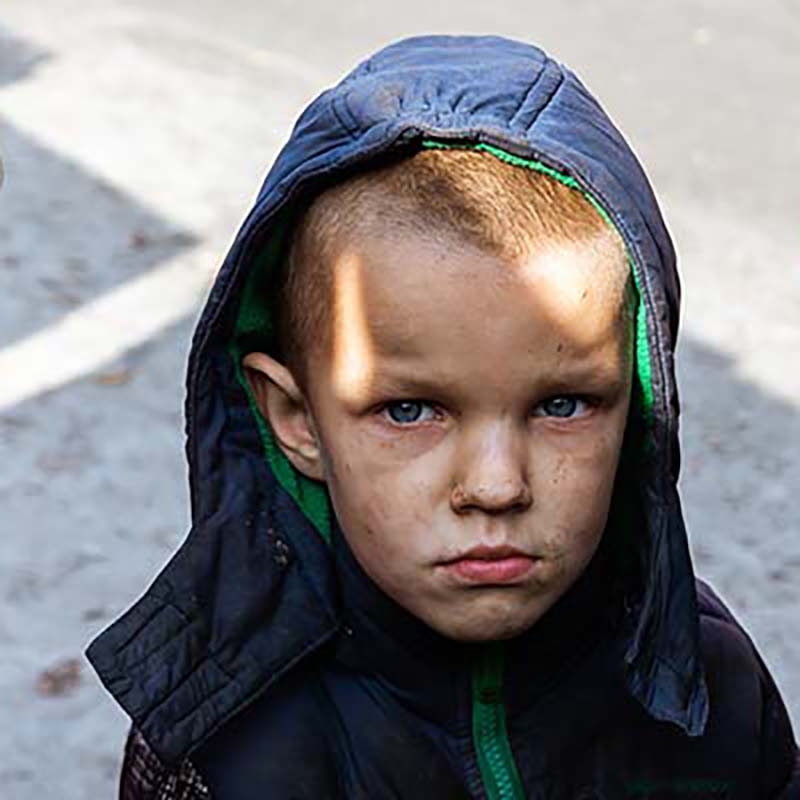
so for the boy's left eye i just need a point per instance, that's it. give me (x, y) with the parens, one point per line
(562, 407)
(406, 412)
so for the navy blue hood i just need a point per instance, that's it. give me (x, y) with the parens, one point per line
(256, 520)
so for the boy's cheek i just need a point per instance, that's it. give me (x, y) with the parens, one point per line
(574, 473)
(367, 472)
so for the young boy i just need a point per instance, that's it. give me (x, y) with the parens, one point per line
(437, 548)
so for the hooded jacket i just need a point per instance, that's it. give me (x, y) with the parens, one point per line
(263, 662)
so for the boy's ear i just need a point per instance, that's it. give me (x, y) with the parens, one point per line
(283, 405)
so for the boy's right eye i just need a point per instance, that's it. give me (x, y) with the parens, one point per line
(407, 412)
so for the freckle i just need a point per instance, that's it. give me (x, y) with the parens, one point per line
(585, 294)
(560, 347)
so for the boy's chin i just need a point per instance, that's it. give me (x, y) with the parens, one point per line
(487, 626)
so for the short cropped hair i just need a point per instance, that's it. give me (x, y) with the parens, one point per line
(468, 195)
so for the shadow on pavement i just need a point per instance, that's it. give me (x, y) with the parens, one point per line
(18, 58)
(66, 235)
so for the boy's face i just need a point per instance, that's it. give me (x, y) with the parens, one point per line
(469, 417)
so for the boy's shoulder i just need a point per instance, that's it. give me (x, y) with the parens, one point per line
(278, 744)
(729, 654)
(746, 713)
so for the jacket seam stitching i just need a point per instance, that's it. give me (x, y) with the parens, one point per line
(342, 100)
(528, 92)
(185, 624)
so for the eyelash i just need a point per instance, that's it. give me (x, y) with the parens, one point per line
(386, 407)
(385, 411)
(577, 398)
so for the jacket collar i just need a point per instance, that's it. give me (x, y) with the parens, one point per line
(249, 594)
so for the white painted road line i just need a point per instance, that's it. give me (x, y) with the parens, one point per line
(104, 329)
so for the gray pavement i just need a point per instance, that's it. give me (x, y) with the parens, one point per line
(135, 135)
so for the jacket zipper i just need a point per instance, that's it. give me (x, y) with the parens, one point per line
(490, 735)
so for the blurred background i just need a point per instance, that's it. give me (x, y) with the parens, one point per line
(135, 134)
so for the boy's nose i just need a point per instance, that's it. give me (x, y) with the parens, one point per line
(491, 474)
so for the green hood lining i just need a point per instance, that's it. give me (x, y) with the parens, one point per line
(254, 331)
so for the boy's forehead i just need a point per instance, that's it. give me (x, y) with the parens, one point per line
(419, 297)
(459, 199)
(579, 282)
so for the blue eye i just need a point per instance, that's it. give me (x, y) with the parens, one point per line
(563, 407)
(406, 412)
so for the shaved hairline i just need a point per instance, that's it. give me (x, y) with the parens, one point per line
(465, 196)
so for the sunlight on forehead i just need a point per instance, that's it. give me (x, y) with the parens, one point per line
(575, 289)
(353, 352)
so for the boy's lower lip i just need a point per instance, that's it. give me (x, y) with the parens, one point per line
(491, 571)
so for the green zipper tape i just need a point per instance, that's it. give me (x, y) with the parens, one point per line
(489, 733)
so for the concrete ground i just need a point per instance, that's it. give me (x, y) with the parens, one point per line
(135, 134)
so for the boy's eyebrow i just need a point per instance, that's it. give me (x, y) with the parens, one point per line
(585, 377)
(391, 382)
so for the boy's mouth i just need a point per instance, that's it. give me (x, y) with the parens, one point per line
(486, 565)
